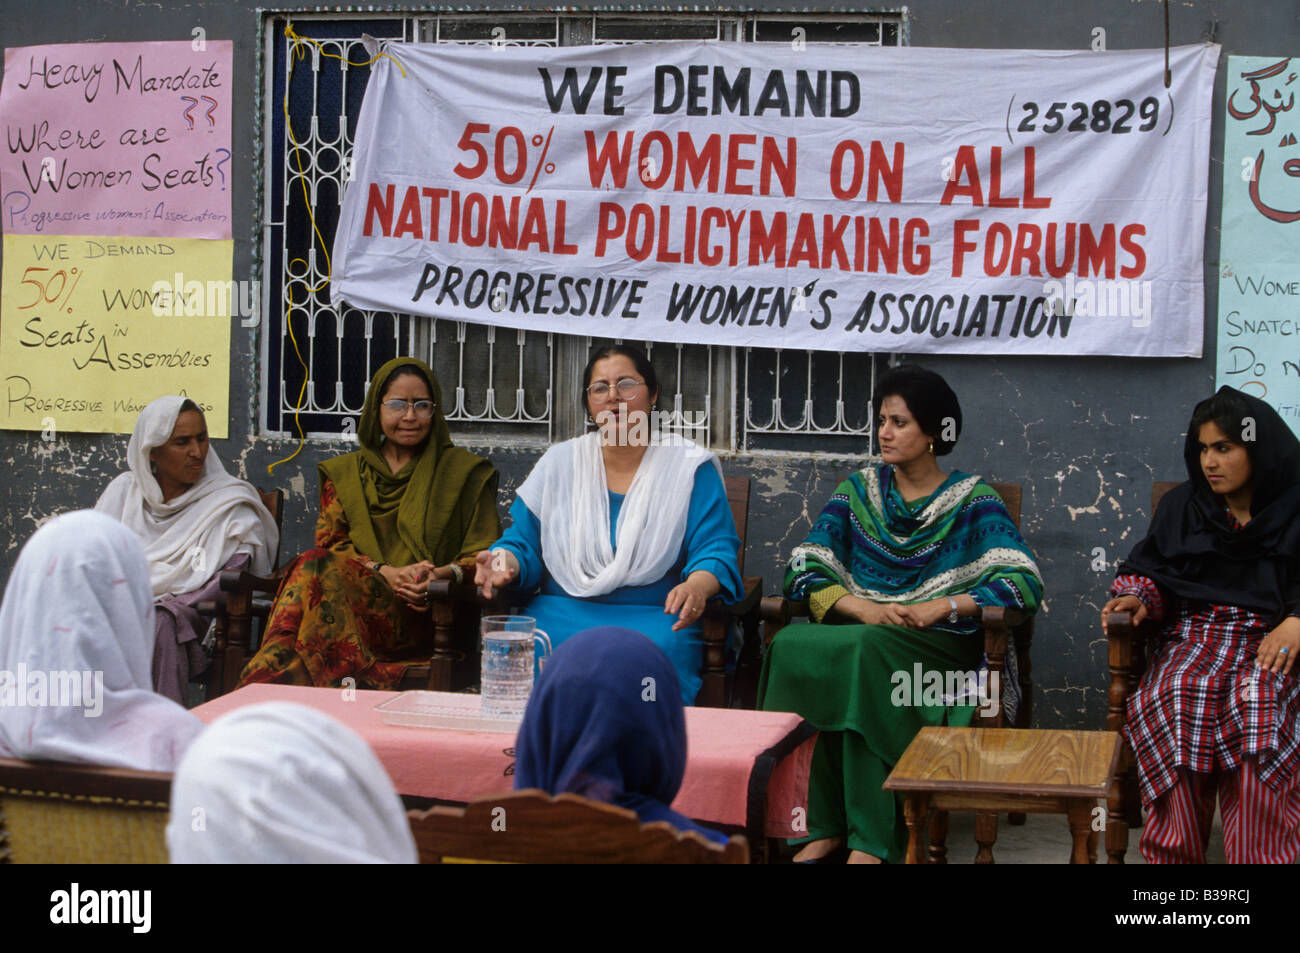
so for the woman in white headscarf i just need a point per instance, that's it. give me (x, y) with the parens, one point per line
(76, 637)
(279, 783)
(194, 519)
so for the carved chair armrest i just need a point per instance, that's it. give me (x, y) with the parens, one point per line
(450, 592)
(244, 581)
(777, 612)
(463, 590)
(778, 609)
(1125, 643)
(748, 602)
(1001, 617)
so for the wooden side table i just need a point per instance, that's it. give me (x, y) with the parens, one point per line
(1001, 770)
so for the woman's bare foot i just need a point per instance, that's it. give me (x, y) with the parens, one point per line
(817, 849)
(861, 857)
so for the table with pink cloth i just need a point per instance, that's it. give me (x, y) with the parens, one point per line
(743, 769)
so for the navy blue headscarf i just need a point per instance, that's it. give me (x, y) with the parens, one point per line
(598, 727)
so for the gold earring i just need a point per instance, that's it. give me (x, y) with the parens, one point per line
(931, 448)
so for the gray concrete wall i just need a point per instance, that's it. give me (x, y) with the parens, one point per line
(1086, 436)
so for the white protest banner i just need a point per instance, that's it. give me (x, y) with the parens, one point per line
(913, 199)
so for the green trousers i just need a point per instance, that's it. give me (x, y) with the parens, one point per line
(859, 685)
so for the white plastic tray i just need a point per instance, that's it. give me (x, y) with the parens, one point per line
(442, 710)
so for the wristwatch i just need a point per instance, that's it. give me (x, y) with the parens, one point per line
(952, 616)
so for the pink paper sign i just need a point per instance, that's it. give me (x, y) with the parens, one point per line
(117, 139)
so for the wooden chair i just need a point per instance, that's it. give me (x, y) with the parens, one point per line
(1004, 629)
(1126, 651)
(244, 597)
(78, 814)
(719, 617)
(456, 607)
(532, 827)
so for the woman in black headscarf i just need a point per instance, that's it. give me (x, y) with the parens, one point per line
(1219, 705)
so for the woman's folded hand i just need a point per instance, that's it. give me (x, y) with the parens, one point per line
(1279, 648)
(411, 584)
(922, 615)
(1124, 604)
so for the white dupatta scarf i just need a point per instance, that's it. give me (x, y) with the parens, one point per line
(280, 783)
(567, 493)
(78, 608)
(187, 539)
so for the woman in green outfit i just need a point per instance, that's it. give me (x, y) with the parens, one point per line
(895, 572)
(408, 506)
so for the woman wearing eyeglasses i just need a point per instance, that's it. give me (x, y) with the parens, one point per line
(405, 508)
(625, 525)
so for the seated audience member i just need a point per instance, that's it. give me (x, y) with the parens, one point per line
(278, 783)
(624, 524)
(407, 507)
(895, 571)
(194, 520)
(606, 721)
(76, 637)
(1218, 708)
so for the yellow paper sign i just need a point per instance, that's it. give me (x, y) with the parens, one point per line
(93, 328)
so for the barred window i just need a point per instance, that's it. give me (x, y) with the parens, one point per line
(502, 386)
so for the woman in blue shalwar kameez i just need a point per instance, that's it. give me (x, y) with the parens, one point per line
(625, 525)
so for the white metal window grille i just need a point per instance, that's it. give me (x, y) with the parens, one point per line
(320, 358)
(502, 385)
(810, 401)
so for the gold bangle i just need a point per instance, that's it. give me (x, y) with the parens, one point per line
(457, 572)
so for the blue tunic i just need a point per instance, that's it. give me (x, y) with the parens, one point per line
(710, 543)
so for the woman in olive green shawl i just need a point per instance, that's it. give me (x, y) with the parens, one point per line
(405, 508)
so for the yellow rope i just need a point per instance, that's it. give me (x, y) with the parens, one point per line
(298, 51)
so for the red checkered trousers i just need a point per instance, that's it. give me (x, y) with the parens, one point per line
(1207, 720)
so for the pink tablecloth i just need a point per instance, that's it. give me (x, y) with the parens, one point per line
(728, 752)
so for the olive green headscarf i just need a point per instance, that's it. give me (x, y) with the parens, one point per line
(424, 510)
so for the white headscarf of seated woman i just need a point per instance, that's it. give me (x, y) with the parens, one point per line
(188, 538)
(76, 643)
(283, 783)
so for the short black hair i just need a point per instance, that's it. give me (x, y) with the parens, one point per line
(632, 353)
(1228, 410)
(929, 399)
(188, 404)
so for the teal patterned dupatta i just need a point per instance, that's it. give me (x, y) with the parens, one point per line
(870, 543)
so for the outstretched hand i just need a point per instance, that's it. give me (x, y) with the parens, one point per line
(687, 599)
(494, 569)
(685, 602)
